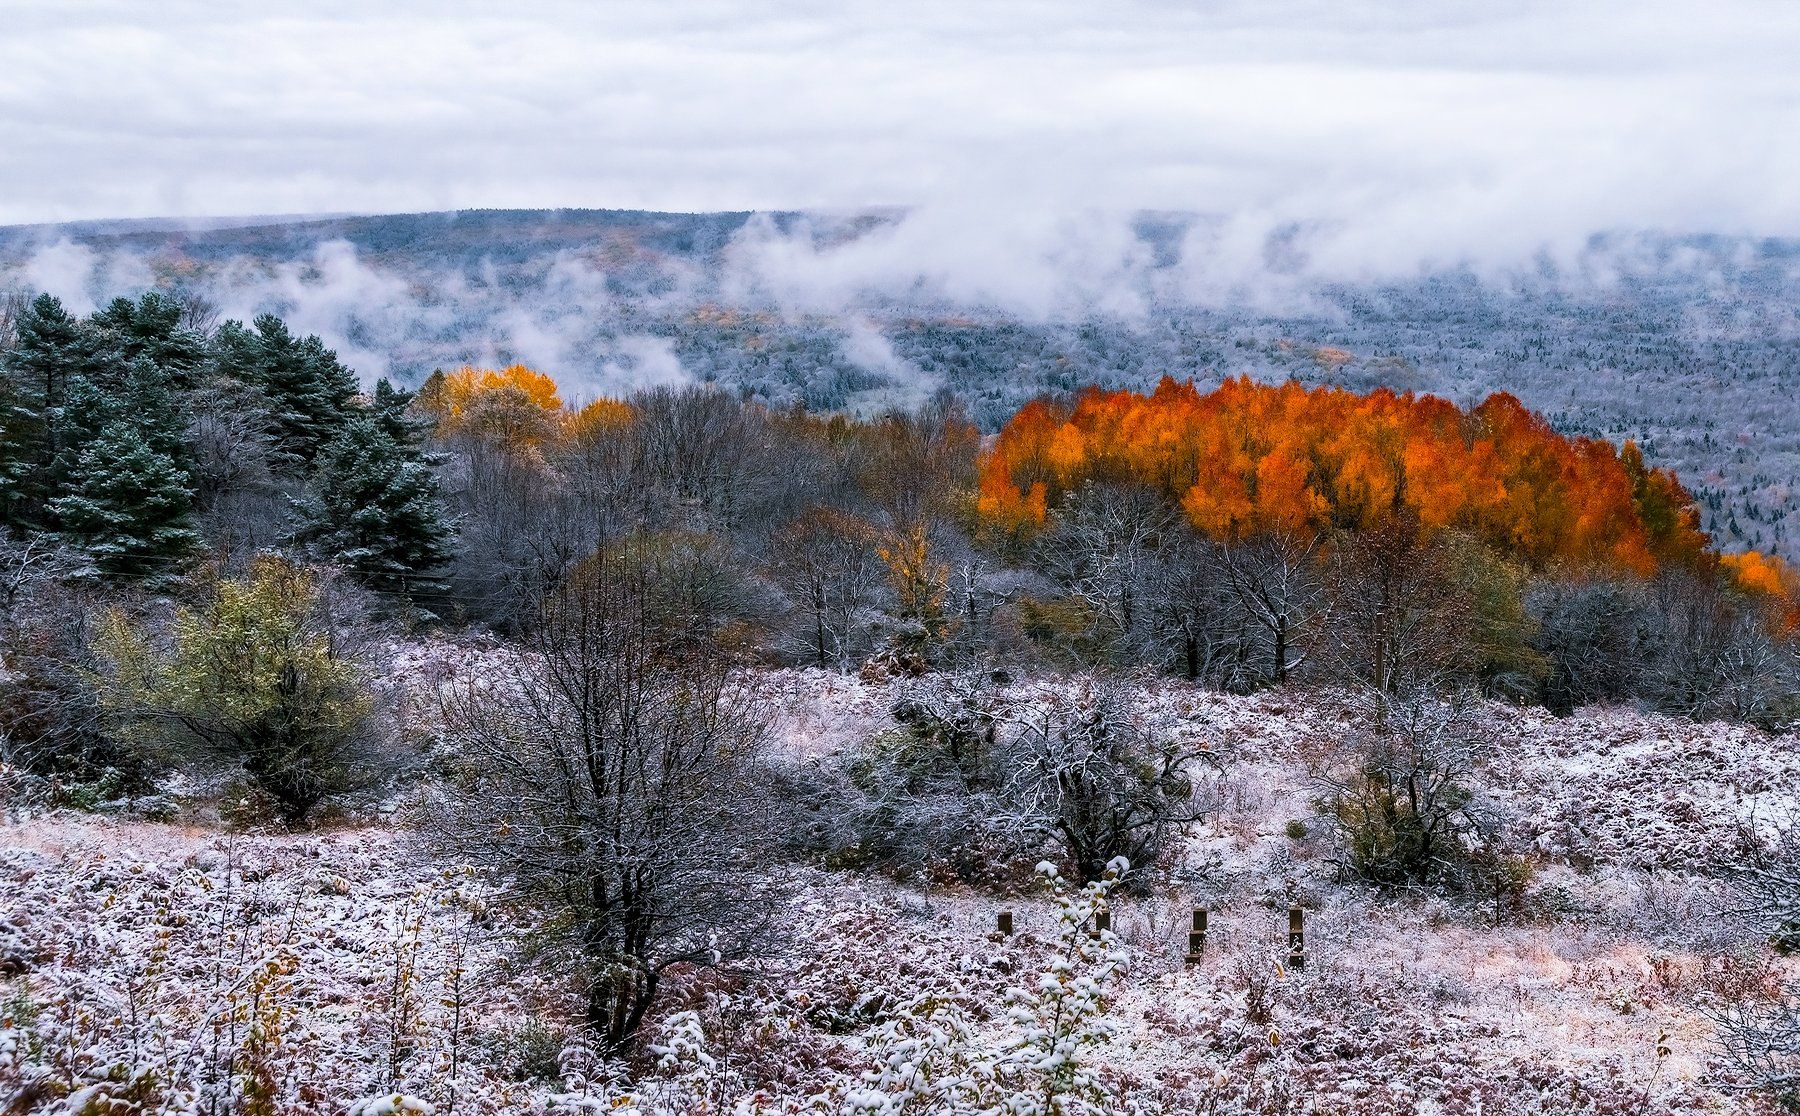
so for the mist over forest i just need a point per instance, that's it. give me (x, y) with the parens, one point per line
(842, 558)
(1688, 344)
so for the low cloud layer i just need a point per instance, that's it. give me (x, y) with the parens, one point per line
(1409, 133)
(1292, 145)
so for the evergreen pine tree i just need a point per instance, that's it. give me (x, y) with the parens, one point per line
(128, 507)
(51, 352)
(393, 409)
(148, 393)
(87, 410)
(308, 392)
(15, 461)
(140, 397)
(151, 328)
(375, 507)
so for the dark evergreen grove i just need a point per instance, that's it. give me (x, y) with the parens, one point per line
(142, 444)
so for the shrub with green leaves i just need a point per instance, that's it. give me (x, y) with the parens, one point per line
(259, 675)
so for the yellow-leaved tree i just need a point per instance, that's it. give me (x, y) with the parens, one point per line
(257, 676)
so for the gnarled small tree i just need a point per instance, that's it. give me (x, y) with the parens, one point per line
(1401, 797)
(612, 781)
(1097, 777)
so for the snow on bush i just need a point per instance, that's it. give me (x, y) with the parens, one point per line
(154, 969)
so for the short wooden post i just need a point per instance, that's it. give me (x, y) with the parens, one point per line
(1197, 937)
(1296, 938)
(1102, 922)
(1004, 924)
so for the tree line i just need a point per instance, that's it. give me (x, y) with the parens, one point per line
(1249, 536)
(215, 539)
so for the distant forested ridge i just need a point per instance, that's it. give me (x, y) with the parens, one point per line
(1686, 345)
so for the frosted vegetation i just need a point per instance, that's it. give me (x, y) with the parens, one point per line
(491, 746)
(180, 969)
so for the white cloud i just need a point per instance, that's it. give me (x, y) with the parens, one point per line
(906, 385)
(1452, 122)
(64, 269)
(639, 361)
(1392, 135)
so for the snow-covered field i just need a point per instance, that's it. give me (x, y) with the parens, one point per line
(166, 967)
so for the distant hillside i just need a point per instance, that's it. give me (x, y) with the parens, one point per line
(1690, 345)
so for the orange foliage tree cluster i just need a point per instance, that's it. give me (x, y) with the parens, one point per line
(1251, 458)
(521, 406)
(1767, 576)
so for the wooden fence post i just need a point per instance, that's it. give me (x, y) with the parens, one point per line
(1296, 938)
(1102, 922)
(1004, 924)
(1197, 937)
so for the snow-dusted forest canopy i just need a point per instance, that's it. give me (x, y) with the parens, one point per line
(1686, 344)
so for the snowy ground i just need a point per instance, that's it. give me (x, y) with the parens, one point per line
(173, 961)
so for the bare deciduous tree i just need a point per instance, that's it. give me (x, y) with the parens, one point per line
(50, 723)
(1591, 635)
(1097, 776)
(237, 494)
(1197, 621)
(1102, 547)
(615, 784)
(1398, 625)
(826, 563)
(1275, 578)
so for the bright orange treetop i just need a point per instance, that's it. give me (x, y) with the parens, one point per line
(1766, 575)
(1250, 458)
(458, 389)
(519, 406)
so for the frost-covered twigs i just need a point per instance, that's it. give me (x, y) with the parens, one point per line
(932, 1058)
(1768, 880)
(1762, 1042)
(1761, 1039)
(244, 978)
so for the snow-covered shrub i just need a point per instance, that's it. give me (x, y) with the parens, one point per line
(980, 779)
(391, 1104)
(1761, 1040)
(918, 800)
(1402, 794)
(1768, 880)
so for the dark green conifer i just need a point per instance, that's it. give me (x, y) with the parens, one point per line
(374, 506)
(127, 508)
(51, 352)
(151, 328)
(309, 394)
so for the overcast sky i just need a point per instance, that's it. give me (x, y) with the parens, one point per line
(1438, 123)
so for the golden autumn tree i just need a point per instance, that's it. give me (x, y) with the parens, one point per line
(518, 407)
